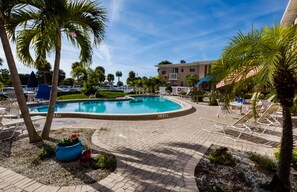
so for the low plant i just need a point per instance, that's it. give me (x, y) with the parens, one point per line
(214, 97)
(264, 162)
(106, 161)
(47, 150)
(68, 141)
(222, 157)
(294, 157)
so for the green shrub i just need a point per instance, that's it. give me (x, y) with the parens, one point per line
(294, 157)
(109, 94)
(222, 157)
(89, 90)
(264, 162)
(214, 97)
(106, 161)
(47, 150)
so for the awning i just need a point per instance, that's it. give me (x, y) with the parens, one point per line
(204, 80)
(235, 77)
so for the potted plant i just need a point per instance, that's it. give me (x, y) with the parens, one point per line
(69, 149)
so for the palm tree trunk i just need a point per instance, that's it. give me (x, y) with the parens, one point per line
(54, 90)
(33, 135)
(286, 148)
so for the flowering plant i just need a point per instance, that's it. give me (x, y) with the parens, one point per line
(73, 139)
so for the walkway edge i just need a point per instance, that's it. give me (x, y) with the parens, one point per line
(189, 171)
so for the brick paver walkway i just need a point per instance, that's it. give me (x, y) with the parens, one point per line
(157, 155)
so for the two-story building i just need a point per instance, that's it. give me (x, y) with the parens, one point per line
(174, 74)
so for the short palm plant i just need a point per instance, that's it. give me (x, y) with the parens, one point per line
(270, 54)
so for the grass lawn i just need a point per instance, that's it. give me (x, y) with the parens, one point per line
(73, 96)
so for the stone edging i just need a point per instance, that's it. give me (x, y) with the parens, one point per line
(189, 171)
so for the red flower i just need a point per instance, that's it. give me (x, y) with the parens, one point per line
(74, 135)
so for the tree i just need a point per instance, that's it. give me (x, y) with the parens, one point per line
(5, 13)
(110, 78)
(120, 83)
(182, 61)
(67, 81)
(79, 73)
(5, 77)
(165, 62)
(192, 80)
(100, 72)
(131, 78)
(43, 73)
(271, 55)
(119, 74)
(24, 78)
(43, 23)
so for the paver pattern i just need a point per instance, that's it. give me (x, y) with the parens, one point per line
(157, 155)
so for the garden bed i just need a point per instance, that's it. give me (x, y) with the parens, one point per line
(24, 158)
(242, 174)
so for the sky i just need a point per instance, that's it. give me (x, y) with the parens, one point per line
(140, 34)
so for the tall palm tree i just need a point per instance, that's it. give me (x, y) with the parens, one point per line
(5, 13)
(118, 74)
(270, 54)
(110, 78)
(43, 22)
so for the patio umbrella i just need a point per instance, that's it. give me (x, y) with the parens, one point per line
(32, 82)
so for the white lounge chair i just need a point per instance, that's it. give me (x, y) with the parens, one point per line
(266, 119)
(223, 124)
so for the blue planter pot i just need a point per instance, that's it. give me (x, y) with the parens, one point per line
(69, 153)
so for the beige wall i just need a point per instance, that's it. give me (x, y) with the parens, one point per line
(199, 70)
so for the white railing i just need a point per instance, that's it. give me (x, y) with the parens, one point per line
(173, 76)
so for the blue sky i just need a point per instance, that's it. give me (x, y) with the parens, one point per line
(140, 34)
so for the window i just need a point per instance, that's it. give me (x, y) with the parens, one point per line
(175, 70)
(182, 83)
(163, 72)
(182, 70)
(192, 69)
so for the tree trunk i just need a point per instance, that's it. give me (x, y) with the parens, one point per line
(54, 90)
(33, 135)
(286, 148)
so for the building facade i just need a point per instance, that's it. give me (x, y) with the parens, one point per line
(174, 74)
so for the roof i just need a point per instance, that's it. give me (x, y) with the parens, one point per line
(290, 14)
(187, 64)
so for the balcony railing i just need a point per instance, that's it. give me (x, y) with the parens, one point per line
(173, 76)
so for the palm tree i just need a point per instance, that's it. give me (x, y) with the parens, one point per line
(110, 78)
(118, 74)
(5, 13)
(192, 80)
(270, 54)
(100, 73)
(43, 24)
(79, 72)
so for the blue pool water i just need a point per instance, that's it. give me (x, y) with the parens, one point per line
(138, 105)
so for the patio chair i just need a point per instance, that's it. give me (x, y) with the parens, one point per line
(223, 124)
(266, 119)
(10, 124)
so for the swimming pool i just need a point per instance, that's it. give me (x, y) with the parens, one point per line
(130, 108)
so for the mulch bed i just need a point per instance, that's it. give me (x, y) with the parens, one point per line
(17, 154)
(245, 175)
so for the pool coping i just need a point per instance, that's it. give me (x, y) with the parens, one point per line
(185, 110)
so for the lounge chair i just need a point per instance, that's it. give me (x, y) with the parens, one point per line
(266, 119)
(223, 124)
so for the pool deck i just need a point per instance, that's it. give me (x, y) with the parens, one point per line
(158, 155)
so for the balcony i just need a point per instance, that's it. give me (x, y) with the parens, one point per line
(173, 76)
